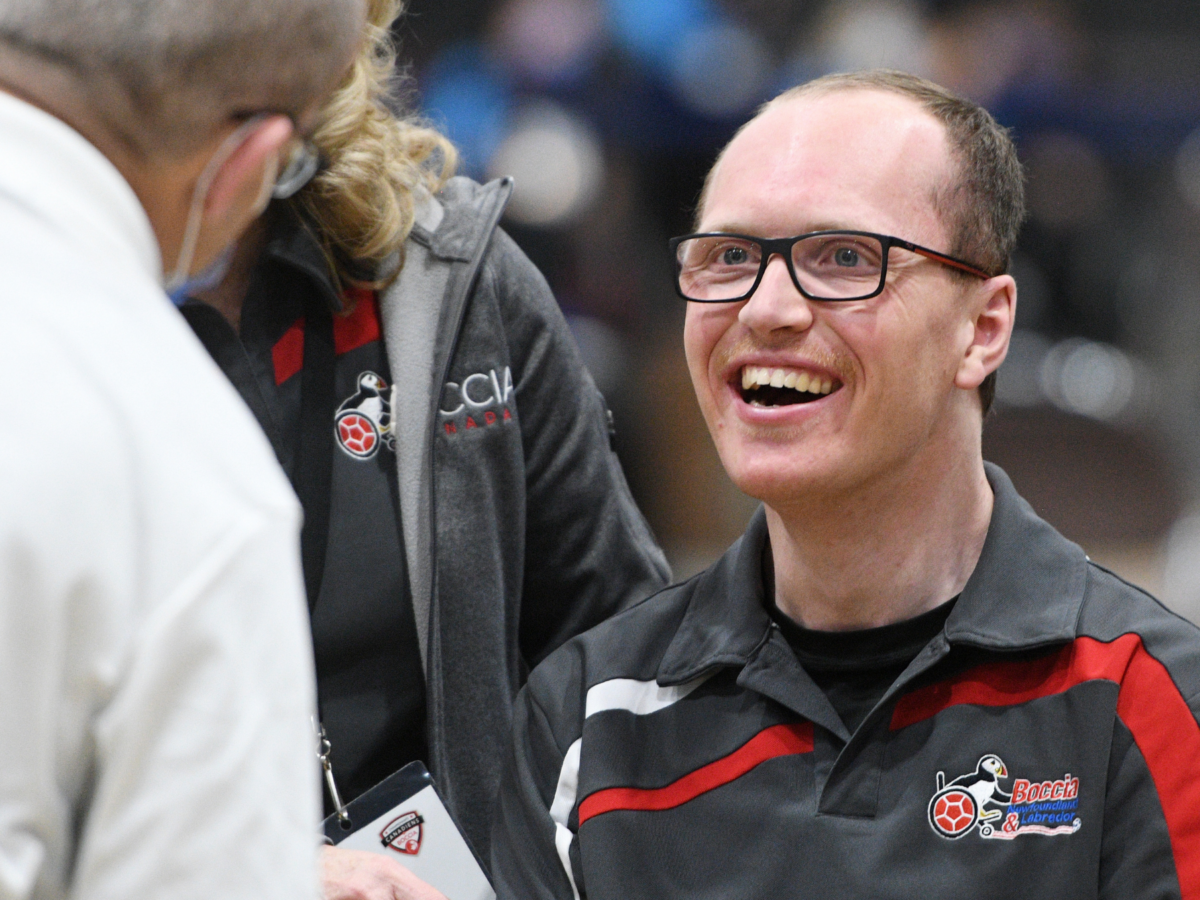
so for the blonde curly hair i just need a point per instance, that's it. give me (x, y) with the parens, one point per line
(361, 204)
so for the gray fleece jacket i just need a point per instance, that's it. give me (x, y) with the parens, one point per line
(519, 528)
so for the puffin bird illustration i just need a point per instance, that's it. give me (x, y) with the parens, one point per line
(983, 784)
(371, 401)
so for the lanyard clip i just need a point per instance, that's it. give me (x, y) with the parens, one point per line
(323, 751)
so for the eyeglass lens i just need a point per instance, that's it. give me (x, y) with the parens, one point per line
(828, 266)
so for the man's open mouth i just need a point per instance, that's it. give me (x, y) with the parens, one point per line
(784, 387)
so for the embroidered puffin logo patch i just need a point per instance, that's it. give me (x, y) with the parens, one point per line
(364, 421)
(977, 802)
(403, 833)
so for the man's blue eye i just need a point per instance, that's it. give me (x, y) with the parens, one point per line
(846, 257)
(734, 256)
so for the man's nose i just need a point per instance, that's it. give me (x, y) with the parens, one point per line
(776, 304)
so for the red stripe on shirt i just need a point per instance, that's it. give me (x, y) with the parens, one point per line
(287, 355)
(361, 326)
(1010, 683)
(778, 740)
(1148, 702)
(349, 333)
(1168, 735)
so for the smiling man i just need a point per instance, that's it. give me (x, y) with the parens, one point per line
(899, 681)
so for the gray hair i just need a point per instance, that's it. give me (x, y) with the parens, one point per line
(165, 73)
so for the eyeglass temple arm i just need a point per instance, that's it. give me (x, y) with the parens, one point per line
(941, 257)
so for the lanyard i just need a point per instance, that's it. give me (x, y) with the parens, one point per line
(323, 752)
(313, 478)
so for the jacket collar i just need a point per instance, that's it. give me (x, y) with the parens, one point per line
(450, 229)
(293, 243)
(1026, 591)
(466, 211)
(725, 621)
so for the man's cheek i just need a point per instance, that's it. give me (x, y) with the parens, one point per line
(700, 337)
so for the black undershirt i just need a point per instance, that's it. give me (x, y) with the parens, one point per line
(855, 668)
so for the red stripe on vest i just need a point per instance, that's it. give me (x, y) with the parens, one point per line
(287, 355)
(778, 740)
(361, 326)
(1148, 702)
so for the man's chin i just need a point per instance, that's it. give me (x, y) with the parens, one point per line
(782, 483)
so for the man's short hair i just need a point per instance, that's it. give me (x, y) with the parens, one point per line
(984, 206)
(164, 73)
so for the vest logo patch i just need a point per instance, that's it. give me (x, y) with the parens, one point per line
(363, 422)
(403, 833)
(976, 801)
(482, 399)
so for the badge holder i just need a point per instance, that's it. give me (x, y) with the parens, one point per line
(404, 817)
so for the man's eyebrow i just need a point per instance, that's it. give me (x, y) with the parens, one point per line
(725, 228)
(832, 226)
(737, 228)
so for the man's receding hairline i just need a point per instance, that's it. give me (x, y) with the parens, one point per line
(815, 88)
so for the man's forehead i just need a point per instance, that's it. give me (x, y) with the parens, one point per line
(850, 152)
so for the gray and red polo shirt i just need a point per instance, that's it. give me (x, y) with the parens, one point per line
(1044, 744)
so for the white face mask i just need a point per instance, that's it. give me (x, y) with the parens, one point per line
(179, 284)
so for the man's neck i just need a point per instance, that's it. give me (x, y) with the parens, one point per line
(229, 296)
(884, 553)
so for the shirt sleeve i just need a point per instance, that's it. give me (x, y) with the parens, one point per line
(1150, 846)
(589, 551)
(533, 845)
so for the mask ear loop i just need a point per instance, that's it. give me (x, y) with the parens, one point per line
(191, 230)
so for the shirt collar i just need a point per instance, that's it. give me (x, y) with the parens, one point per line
(47, 166)
(1026, 591)
(725, 621)
(1027, 588)
(294, 244)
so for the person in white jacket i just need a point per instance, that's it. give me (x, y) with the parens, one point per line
(155, 668)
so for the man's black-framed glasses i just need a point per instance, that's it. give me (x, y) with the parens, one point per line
(825, 265)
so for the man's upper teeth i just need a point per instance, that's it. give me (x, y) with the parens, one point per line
(759, 376)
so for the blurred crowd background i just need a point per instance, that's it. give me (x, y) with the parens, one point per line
(608, 113)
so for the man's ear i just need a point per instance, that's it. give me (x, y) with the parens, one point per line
(244, 179)
(995, 310)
